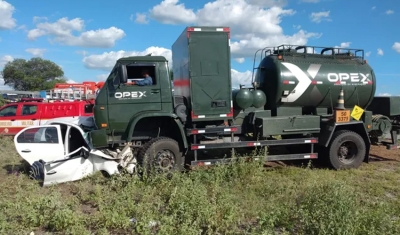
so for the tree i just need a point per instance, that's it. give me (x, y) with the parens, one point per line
(171, 75)
(2, 101)
(32, 75)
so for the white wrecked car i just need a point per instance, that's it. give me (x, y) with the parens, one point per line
(59, 151)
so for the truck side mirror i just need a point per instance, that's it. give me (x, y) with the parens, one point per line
(123, 74)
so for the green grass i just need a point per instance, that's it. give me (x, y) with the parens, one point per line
(244, 198)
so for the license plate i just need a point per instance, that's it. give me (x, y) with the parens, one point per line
(342, 116)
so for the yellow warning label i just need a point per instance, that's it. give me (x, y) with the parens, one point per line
(357, 112)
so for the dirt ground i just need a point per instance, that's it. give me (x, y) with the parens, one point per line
(380, 153)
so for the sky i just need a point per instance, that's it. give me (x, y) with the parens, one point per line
(86, 37)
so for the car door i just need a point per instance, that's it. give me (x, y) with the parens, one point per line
(29, 115)
(9, 125)
(40, 143)
(75, 165)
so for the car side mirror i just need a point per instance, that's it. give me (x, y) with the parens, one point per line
(123, 74)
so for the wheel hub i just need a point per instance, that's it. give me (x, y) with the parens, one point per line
(165, 160)
(347, 152)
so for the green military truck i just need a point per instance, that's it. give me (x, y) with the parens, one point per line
(309, 97)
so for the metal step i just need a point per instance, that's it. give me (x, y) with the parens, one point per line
(269, 158)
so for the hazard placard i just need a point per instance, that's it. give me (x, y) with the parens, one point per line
(357, 112)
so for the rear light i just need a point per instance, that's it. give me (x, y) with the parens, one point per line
(192, 114)
(230, 114)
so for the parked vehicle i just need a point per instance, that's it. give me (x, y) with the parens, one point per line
(32, 112)
(317, 105)
(59, 152)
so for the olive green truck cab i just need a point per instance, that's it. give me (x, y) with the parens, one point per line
(313, 101)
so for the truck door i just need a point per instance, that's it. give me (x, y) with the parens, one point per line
(30, 115)
(9, 125)
(126, 100)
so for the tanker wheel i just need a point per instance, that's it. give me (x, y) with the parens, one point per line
(346, 150)
(160, 155)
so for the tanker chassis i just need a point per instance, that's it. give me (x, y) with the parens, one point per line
(312, 103)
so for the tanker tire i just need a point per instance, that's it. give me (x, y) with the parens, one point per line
(159, 151)
(336, 145)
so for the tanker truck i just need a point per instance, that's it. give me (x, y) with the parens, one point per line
(312, 101)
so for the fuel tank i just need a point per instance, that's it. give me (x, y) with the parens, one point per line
(244, 98)
(315, 80)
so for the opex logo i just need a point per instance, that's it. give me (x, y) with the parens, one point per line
(351, 77)
(130, 94)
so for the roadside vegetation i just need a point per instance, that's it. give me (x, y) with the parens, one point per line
(244, 198)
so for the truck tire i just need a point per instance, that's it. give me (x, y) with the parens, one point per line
(349, 144)
(160, 155)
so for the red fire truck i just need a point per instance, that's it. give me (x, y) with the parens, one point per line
(34, 112)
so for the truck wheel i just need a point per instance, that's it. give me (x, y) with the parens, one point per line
(160, 155)
(346, 150)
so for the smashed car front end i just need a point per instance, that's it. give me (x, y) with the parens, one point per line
(60, 151)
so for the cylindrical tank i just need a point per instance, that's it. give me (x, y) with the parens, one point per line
(315, 81)
(259, 98)
(242, 98)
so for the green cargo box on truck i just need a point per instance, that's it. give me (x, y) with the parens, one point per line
(311, 97)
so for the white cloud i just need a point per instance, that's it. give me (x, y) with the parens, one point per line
(22, 27)
(0, 39)
(396, 47)
(367, 54)
(141, 18)
(5, 59)
(342, 45)
(240, 78)
(39, 18)
(62, 30)
(247, 47)
(268, 3)
(297, 26)
(103, 76)
(170, 12)
(252, 25)
(389, 12)
(71, 81)
(373, 8)
(6, 12)
(385, 94)
(317, 17)
(2, 86)
(82, 53)
(310, 1)
(380, 51)
(106, 61)
(345, 44)
(244, 19)
(36, 52)
(240, 60)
